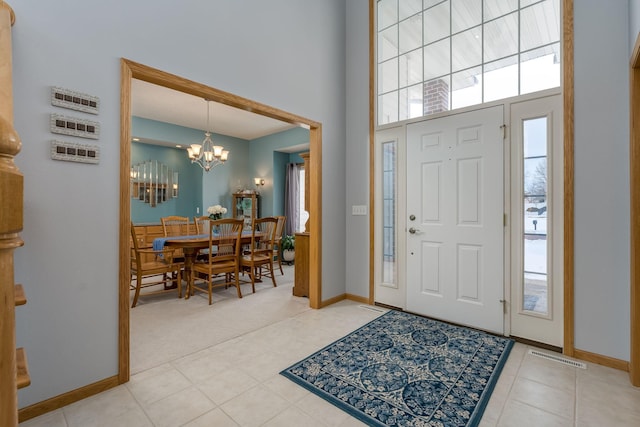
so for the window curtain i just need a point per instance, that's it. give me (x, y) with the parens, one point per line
(291, 198)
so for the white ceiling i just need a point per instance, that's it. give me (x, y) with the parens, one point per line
(162, 104)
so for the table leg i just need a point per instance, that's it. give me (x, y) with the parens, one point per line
(189, 257)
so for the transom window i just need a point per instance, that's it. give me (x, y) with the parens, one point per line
(438, 55)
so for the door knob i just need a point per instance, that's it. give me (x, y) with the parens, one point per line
(413, 230)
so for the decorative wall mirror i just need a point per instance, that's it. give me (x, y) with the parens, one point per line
(153, 182)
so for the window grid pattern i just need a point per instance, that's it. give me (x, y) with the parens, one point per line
(536, 222)
(389, 267)
(474, 51)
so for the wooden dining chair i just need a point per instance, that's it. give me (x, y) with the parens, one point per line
(202, 224)
(222, 266)
(277, 250)
(175, 226)
(152, 271)
(258, 260)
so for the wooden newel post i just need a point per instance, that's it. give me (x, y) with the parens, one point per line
(11, 196)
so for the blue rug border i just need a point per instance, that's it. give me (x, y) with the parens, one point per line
(475, 418)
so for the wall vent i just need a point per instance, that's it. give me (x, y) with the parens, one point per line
(370, 308)
(559, 359)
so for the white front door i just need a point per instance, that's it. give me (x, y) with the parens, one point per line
(454, 217)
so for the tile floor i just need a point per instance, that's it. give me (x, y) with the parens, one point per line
(198, 365)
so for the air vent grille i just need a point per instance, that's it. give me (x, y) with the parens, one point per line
(559, 359)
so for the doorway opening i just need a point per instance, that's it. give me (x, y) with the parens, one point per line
(132, 70)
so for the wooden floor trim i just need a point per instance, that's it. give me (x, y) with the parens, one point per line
(67, 398)
(599, 359)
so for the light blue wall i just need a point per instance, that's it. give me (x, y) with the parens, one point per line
(634, 22)
(357, 149)
(602, 177)
(70, 324)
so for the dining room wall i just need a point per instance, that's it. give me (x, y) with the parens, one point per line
(71, 218)
(189, 184)
(264, 164)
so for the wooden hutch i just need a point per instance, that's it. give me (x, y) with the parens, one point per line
(245, 207)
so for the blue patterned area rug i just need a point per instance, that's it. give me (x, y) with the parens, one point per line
(405, 370)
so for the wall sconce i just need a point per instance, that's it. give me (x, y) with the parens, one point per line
(259, 181)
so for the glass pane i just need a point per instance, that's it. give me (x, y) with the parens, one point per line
(388, 43)
(410, 68)
(536, 286)
(535, 137)
(388, 108)
(496, 8)
(387, 13)
(540, 69)
(431, 3)
(408, 8)
(540, 24)
(465, 14)
(411, 33)
(501, 38)
(525, 3)
(466, 49)
(436, 59)
(436, 23)
(411, 102)
(535, 179)
(388, 76)
(501, 79)
(436, 95)
(388, 214)
(466, 88)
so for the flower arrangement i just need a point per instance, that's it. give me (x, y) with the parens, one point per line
(216, 212)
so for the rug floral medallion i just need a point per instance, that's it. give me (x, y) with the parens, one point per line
(406, 370)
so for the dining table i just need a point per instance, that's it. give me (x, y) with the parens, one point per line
(191, 245)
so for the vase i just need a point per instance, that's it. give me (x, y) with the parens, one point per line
(288, 255)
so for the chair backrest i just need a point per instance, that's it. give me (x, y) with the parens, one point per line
(136, 262)
(175, 225)
(202, 224)
(225, 237)
(279, 229)
(137, 255)
(263, 234)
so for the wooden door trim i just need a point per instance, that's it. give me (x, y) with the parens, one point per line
(132, 70)
(568, 132)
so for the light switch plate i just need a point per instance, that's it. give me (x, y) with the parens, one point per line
(358, 209)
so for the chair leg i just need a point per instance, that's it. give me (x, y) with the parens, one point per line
(237, 280)
(179, 282)
(280, 264)
(252, 273)
(273, 275)
(210, 287)
(138, 286)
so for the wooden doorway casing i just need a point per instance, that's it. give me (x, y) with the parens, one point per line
(568, 146)
(132, 70)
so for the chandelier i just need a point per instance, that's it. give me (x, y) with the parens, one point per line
(207, 155)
